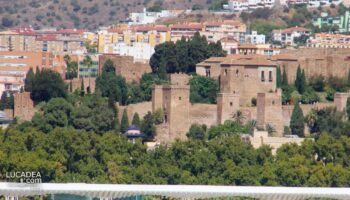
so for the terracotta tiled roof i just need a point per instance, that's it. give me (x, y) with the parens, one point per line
(196, 26)
(77, 31)
(228, 39)
(215, 59)
(159, 28)
(328, 35)
(23, 30)
(225, 22)
(46, 38)
(248, 60)
(247, 46)
(292, 29)
(116, 31)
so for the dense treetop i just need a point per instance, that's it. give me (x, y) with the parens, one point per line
(72, 155)
(182, 56)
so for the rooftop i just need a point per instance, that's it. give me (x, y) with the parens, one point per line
(248, 60)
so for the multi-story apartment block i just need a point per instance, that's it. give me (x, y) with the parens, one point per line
(215, 31)
(140, 51)
(14, 66)
(186, 30)
(139, 41)
(314, 3)
(325, 40)
(146, 17)
(55, 41)
(340, 22)
(286, 36)
(246, 5)
(255, 38)
(151, 35)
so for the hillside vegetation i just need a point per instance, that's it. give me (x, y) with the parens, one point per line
(81, 13)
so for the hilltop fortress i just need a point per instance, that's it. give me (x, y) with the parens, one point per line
(242, 78)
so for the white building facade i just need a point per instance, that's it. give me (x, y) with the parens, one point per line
(286, 36)
(255, 38)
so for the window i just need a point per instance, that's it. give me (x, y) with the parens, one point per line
(231, 103)
(180, 98)
(270, 76)
(207, 72)
(237, 72)
(225, 72)
(262, 76)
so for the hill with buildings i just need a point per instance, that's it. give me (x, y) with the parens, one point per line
(81, 13)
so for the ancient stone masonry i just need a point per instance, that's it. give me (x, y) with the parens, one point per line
(340, 100)
(174, 100)
(227, 105)
(125, 66)
(243, 78)
(76, 83)
(314, 61)
(269, 111)
(247, 75)
(23, 106)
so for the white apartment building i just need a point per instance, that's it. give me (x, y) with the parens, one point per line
(146, 17)
(138, 50)
(314, 3)
(255, 38)
(286, 36)
(245, 5)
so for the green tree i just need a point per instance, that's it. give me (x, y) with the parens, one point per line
(47, 84)
(136, 120)
(196, 132)
(278, 77)
(108, 66)
(317, 83)
(347, 108)
(29, 81)
(158, 116)
(72, 68)
(124, 124)
(147, 126)
(217, 4)
(300, 82)
(56, 113)
(108, 83)
(88, 62)
(182, 56)
(203, 89)
(7, 100)
(297, 121)
(284, 77)
(94, 114)
(112, 106)
(82, 88)
(238, 117)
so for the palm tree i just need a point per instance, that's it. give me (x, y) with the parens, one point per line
(88, 62)
(238, 117)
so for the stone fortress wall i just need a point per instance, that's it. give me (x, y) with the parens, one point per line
(125, 66)
(179, 113)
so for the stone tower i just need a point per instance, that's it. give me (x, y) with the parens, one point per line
(23, 106)
(227, 105)
(269, 110)
(340, 100)
(174, 100)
